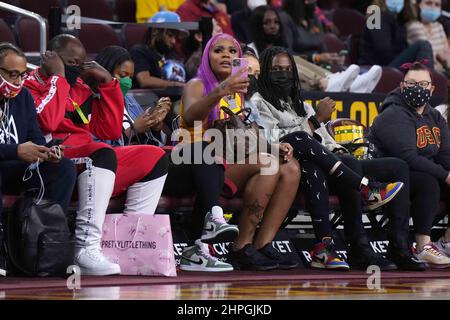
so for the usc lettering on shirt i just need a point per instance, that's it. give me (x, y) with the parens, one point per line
(426, 136)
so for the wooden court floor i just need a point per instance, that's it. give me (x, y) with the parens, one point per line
(327, 285)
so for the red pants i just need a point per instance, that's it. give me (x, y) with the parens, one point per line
(133, 162)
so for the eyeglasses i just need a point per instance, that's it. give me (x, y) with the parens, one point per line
(14, 74)
(411, 83)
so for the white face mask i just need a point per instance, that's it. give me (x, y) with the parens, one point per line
(252, 4)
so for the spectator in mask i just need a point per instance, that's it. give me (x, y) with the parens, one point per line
(410, 129)
(156, 63)
(427, 28)
(147, 126)
(66, 104)
(285, 117)
(267, 32)
(387, 45)
(22, 143)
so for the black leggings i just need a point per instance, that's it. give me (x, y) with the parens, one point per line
(203, 180)
(317, 162)
(426, 191)
(384, 170)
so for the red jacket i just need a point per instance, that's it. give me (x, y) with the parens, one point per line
(54, 98)
(193, 11)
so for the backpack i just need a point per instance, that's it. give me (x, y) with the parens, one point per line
(38, 239)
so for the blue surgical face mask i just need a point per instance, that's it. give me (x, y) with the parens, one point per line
(429, 14)
(395, 6)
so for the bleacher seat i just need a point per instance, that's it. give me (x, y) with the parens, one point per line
(390, 80)
(133, 34)
(348, 21)
(126, 10)
(95, 37)
(6, 14)
(41, 7)
(333, 43)
(144, 97)
(6, 35)
(353, 44)
(27, 32)
(98, 9)
(440, 82)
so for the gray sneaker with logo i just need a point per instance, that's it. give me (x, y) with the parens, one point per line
(198, 258)
(216, 229)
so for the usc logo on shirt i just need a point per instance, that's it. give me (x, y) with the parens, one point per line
(426, 136)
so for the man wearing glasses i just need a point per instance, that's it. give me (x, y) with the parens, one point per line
(22, 143)
(410, 129)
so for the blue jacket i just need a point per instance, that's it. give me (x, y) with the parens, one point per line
(21, 125)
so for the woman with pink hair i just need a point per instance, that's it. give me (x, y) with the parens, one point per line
(267, 198)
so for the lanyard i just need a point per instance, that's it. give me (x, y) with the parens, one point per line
(79, 111)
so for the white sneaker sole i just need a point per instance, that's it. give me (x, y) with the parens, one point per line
(106, 272)
(2, 272)
(204, 269)
(225, 235)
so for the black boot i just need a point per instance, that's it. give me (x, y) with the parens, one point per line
(361, 256)
(405, 260)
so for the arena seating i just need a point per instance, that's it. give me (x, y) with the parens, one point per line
(41, 7)
(125, 10)
(98, 9)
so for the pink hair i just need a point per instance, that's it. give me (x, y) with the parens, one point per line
(206, 74)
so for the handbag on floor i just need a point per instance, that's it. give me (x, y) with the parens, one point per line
(140, 243)
(38, 240)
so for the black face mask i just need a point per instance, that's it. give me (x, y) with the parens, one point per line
(283, 82)
(252, 87)
(72, 73)
(271, 38)
(161, 47)
(416, 96)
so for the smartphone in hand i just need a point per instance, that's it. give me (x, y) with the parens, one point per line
(239, 63)
(57, 142)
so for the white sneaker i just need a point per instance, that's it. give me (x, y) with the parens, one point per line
(443, 247)
(366, 83)
(341, 81)
(198, 258)
(216, 229)
(92, 262)
(432, 257)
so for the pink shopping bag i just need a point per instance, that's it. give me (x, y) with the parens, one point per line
(141, 244)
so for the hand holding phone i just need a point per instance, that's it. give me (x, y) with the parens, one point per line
(239, 63)
(57, 142)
